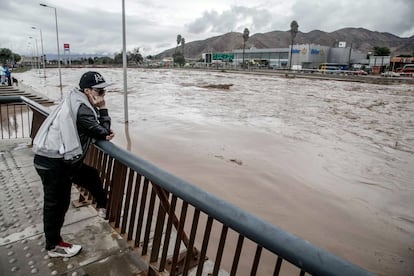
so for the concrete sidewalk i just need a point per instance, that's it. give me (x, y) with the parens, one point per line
(16, 91)
(22, 241)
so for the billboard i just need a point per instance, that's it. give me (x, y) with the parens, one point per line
(342, 44)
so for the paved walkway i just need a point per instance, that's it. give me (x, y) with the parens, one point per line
(15, 91)
(21, 229)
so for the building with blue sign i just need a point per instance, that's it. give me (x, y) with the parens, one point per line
(308, 56)
(304, 56)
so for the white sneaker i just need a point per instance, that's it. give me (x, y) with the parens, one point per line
(64, 249)
(102, 213)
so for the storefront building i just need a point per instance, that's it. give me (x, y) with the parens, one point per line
(300, 56)
(270, 58)
(308, 56)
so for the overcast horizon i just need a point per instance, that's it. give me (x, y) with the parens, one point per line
(95, 27)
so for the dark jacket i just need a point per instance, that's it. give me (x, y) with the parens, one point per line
(89, 129)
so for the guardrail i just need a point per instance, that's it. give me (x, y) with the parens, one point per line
(155, 210)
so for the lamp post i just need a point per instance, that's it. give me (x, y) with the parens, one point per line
(43, 53)
(37, 55)
(124, 63)
(31, 49)
(57, 44)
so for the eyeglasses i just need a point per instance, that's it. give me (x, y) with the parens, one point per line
(100, 91)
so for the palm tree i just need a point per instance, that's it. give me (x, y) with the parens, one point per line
(178, 42)
(293, 31)
(179, 56)
(245, 38)
(182, 44)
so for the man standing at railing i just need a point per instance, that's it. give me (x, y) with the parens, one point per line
(60, 147)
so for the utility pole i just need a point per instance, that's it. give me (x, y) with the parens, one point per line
(124, 63)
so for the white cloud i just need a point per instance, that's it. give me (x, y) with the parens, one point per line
(234, 19)
(96, 27)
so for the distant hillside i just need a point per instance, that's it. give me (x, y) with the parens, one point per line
(361, 39)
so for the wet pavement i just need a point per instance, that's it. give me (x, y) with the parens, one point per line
(22, 241)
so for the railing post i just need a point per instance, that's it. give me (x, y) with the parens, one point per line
(156, 243)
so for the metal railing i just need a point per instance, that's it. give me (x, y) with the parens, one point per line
(176, 226)
(16, 117)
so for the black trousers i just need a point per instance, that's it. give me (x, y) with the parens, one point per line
(57, 184)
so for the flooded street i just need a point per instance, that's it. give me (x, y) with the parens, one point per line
(330, 161)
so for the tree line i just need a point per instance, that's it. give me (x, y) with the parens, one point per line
(134, 56)
(8, 57)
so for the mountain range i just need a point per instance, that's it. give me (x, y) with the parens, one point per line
(361, 39)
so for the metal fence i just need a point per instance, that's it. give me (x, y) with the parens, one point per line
(177, 227)
(12, 118)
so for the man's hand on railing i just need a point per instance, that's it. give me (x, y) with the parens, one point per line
(110, 136)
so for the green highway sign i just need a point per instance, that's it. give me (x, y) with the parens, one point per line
(223, 56)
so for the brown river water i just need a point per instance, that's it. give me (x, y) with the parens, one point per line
(329, 161)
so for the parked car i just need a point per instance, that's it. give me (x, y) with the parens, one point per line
(407, 70)
(330, 70)
(390, 74)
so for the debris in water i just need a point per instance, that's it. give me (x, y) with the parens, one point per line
(238, 162)
(218, 86)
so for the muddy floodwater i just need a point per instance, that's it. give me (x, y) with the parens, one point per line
(330, 161)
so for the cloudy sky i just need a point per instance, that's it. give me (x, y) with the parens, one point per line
(95, 26)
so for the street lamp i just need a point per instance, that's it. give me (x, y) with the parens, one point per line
(57, 44)
(124, 63)
(31, 49)
(43, 54)
(37, 54)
